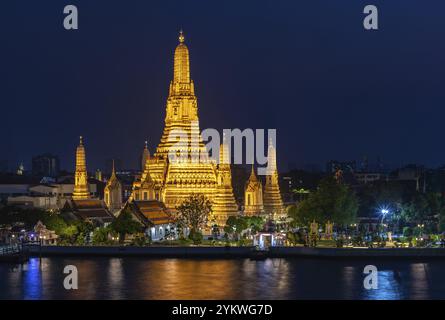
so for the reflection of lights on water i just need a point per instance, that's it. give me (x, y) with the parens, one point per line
(269, 278)
(419, 280)
(388, 287)
(32, 280)
(115, 277)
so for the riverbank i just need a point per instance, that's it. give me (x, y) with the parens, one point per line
(415, 253)
(152, 251)
(235, 252)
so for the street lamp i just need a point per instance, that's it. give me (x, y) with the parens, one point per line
(384, 212)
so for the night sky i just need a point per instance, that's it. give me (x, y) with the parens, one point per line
(307, 68)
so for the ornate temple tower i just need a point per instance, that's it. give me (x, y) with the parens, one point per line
(113, 193)
(273, 204)
(224, 204)
(81, 188)
(173, 179)
(145, 156)
(253, 196)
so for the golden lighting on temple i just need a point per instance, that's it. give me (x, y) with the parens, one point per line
(174, 181)
(81, 188)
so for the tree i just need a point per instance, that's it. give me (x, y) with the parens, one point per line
(442, 220)
(125, 224)
(55, 222)
(100, 235)
(255, 223)
(193, 213)
(69, 234)
(230, 226)
(332, 201)
(235, 225)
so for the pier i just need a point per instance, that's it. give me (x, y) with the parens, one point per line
(14, 253)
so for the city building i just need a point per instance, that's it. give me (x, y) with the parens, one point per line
(347, 167)
(369, 177)
(45, 165)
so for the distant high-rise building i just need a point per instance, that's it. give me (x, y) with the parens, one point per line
(21, 169)
(46, 165)
(98, 175)
(334, 166)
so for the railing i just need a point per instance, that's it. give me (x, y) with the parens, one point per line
(10, 249)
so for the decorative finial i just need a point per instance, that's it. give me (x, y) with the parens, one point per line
(181, 36)
(113, 167)
(81, 140)
(146, 144)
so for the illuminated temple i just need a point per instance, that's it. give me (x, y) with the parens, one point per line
(173, 181)
(81, 188)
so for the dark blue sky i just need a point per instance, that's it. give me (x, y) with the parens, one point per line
(307, 68)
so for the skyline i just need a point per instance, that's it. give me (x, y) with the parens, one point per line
(112, 78)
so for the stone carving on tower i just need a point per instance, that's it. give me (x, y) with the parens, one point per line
(113, 193)
(253, 195)
(81, 188)
(173, 179)
(273, 204)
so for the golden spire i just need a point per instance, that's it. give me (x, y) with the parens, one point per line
(182, 63)
(145, 156)
(271, 158)
(224, 154)
(80, 156)
(253, 177)
(113, 171)
(113, 192)
(81, 189)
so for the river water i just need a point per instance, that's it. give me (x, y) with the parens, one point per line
(140, 278)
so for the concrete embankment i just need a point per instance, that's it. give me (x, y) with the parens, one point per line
(237, 252)
(282, 252)
(153, 251)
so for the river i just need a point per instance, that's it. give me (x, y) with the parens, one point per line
(140, 278)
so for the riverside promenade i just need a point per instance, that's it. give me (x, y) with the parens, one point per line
(235, 252)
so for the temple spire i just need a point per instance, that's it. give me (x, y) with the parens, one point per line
(181, 62)
(113, 170)
(145, 156)
(81, 188)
